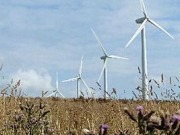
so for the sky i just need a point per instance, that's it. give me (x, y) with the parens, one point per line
(41, 37)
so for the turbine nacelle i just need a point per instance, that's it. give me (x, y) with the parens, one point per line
(143, 22)
(103, 57)
(79, 78)
(140, 20)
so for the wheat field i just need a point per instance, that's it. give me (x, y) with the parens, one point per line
(76, 114)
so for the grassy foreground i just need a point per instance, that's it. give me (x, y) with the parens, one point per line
(63, 115)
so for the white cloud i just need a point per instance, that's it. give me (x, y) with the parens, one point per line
(33, 82)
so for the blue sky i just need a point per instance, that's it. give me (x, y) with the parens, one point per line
(40, 37)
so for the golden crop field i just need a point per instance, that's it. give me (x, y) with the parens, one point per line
(57, 116)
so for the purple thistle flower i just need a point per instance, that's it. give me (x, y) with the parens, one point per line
(103, 129)
(104, 126)
(176, 117)
(139, 108)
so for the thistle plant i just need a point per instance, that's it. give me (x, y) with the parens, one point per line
(169, 125)
(103, 129)
(31, 119)
(154, 125)
(142, 120)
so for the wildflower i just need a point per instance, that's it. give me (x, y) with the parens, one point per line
(104, 126)
(103, 129)
(176, 117)
(139, 108)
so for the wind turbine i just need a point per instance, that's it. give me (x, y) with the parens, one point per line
(141, 29)
(78, 79)
(105, 59)
(56, 91)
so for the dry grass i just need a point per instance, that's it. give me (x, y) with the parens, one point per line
(66, 114)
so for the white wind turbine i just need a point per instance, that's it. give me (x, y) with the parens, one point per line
(56, 91)
(105, 59)
(78, 79)
(141, 29)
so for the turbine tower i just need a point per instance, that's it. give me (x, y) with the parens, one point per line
(78, 79)
(56, 91)
(105, 59)
(141, 29)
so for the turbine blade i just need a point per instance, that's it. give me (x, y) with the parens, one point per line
(137, 32)
(80, 68)
(158, 26)
(60, 93)
(102, 48)
(143, 8)
(86, 85)
(72, 79)
(105, 63)
(117, 57)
